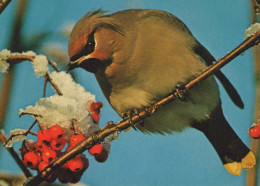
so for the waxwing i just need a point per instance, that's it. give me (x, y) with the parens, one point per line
(140, 56)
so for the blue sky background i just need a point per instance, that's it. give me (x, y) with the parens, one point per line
(185, 158)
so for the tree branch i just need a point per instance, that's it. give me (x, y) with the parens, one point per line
(21, 58)
(28, 131)
(111, 128)
(53, 84)
(256, 7)
(15, 156)
(14, 45)
(4, 4)
(252, 173)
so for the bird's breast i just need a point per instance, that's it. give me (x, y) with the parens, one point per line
(174, 116)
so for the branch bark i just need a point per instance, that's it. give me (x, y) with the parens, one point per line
(255, 6)
(15, 156)
(4, 4)
(21, 58)
(15, 45)
(111, 128)
(252, 173)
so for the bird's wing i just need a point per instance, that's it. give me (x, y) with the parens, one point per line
(209, 59)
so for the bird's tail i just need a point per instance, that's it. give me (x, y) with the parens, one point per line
(233, 153)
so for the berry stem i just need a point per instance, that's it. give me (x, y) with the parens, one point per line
(15, 156)
(110, 128)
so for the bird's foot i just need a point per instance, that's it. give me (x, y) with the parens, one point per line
(128, 116)
(182, 92)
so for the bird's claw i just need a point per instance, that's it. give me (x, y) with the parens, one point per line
(128, 116)
(182, 92)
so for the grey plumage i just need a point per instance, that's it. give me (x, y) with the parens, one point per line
(140, 58)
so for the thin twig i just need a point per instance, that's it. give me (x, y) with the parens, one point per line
(256, 7)
(15, 156)
(252, 173)
(111, 128)
(45, 86)
(30, 128)
(4, 4)
(28, 131)
(53, 65)
(19, 58)
(14, 45)
(29, 113)
(53, 84)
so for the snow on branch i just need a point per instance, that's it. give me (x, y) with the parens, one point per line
(115, 128)
(39, 62)
(72, 108)
(252, 30)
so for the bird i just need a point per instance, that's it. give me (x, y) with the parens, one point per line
(140, 56)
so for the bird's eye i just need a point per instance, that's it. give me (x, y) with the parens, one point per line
(90, 46)
(88, 49)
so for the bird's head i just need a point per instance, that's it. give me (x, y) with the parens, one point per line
(93, 41)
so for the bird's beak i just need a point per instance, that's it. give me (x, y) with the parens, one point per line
(76, 63)
(72, 65)
(85, 62)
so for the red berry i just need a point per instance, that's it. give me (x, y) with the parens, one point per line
(96, 106)
(56, 131)
(64, 175)
(23, 149)
(76, 164)
(31, 160)
(42, 165)
(44, 135)
(85, 161)
(95, 111)
(51, 178)
(96, 149)
(75, 177)
(41, 145)
(58, 143)
(68, 148)
(254, 132)
(95, 117)
(72, 132)
(49, 155)
(65, 165)
(102, 157)
(75, 139)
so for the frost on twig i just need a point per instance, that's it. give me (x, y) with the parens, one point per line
(111, 128)
(4, 55)
(40, 65)
(252, 30)
(17, 135)
(70, 103)
(39, 62)
(66, 108)
(63, 109)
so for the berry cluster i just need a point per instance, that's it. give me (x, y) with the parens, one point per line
(254, 131)
(49, 146)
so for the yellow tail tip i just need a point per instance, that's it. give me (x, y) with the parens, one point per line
(249, 161)
(234, 168)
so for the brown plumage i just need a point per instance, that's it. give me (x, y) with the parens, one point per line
(139, 57)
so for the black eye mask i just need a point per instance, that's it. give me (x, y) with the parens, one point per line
(88, 49)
